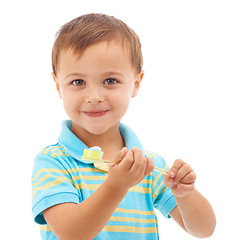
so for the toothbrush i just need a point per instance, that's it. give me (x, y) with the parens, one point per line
(95, 154)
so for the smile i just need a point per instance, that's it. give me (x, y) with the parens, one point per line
(95, 113)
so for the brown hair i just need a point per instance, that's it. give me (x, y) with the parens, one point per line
(89, 29)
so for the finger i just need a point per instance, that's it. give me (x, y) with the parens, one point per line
(139, 161)
(185, 188)
(182, 172)
(189, 178)
(119, 157)
(124, 151)
(127, 161)
(176, 166)
(149, 166)
(168, 181)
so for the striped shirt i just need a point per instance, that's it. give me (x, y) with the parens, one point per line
(60, 176)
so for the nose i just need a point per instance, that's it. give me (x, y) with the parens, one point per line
(94, 96)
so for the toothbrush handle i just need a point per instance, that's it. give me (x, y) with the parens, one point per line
(163, 171)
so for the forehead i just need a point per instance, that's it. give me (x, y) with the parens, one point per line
(103, 55)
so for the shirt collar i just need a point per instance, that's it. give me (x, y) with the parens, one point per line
(75, 147)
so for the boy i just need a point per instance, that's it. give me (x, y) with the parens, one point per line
(97, 68)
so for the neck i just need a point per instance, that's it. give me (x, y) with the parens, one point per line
(110, 141)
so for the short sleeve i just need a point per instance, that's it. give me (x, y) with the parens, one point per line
(163, 199)
(51, 185)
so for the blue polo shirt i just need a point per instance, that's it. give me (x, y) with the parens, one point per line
(60, 176)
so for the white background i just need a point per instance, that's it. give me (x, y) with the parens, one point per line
(188, 106)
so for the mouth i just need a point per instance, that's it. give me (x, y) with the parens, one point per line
(99, 113)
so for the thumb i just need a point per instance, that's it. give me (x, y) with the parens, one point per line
(168, 180)
(149, 166)
(120, 155)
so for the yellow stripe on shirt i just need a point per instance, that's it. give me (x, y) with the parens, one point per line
(159, 176)
(111, 228)
(134, 211)
(157, 190)
(128, 219)
(47, 186)
(49, 170)
(49, 176)
(45, 228)
(140, 189)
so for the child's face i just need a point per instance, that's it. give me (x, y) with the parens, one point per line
(97, 87)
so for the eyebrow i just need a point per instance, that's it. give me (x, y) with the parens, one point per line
(114, 73)
(83, 75)
(75, 74)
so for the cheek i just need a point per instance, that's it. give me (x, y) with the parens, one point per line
(121, 100)
(70, 102)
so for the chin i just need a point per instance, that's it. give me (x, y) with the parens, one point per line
(97, 130)
(100, 129)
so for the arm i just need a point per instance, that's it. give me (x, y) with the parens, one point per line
(87, 219)
(193, 212)
(84, 220)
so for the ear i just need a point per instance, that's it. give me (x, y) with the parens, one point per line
(137, 84)
(57, 84)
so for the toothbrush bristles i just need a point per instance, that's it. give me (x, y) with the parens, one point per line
(98, 160)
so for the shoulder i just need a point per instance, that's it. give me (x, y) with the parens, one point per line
(54, 151)
(52, 156)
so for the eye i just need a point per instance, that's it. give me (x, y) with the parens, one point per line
(110, 81)
(78, 82)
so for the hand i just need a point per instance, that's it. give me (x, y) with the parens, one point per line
(181, 179)
(131, 170)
